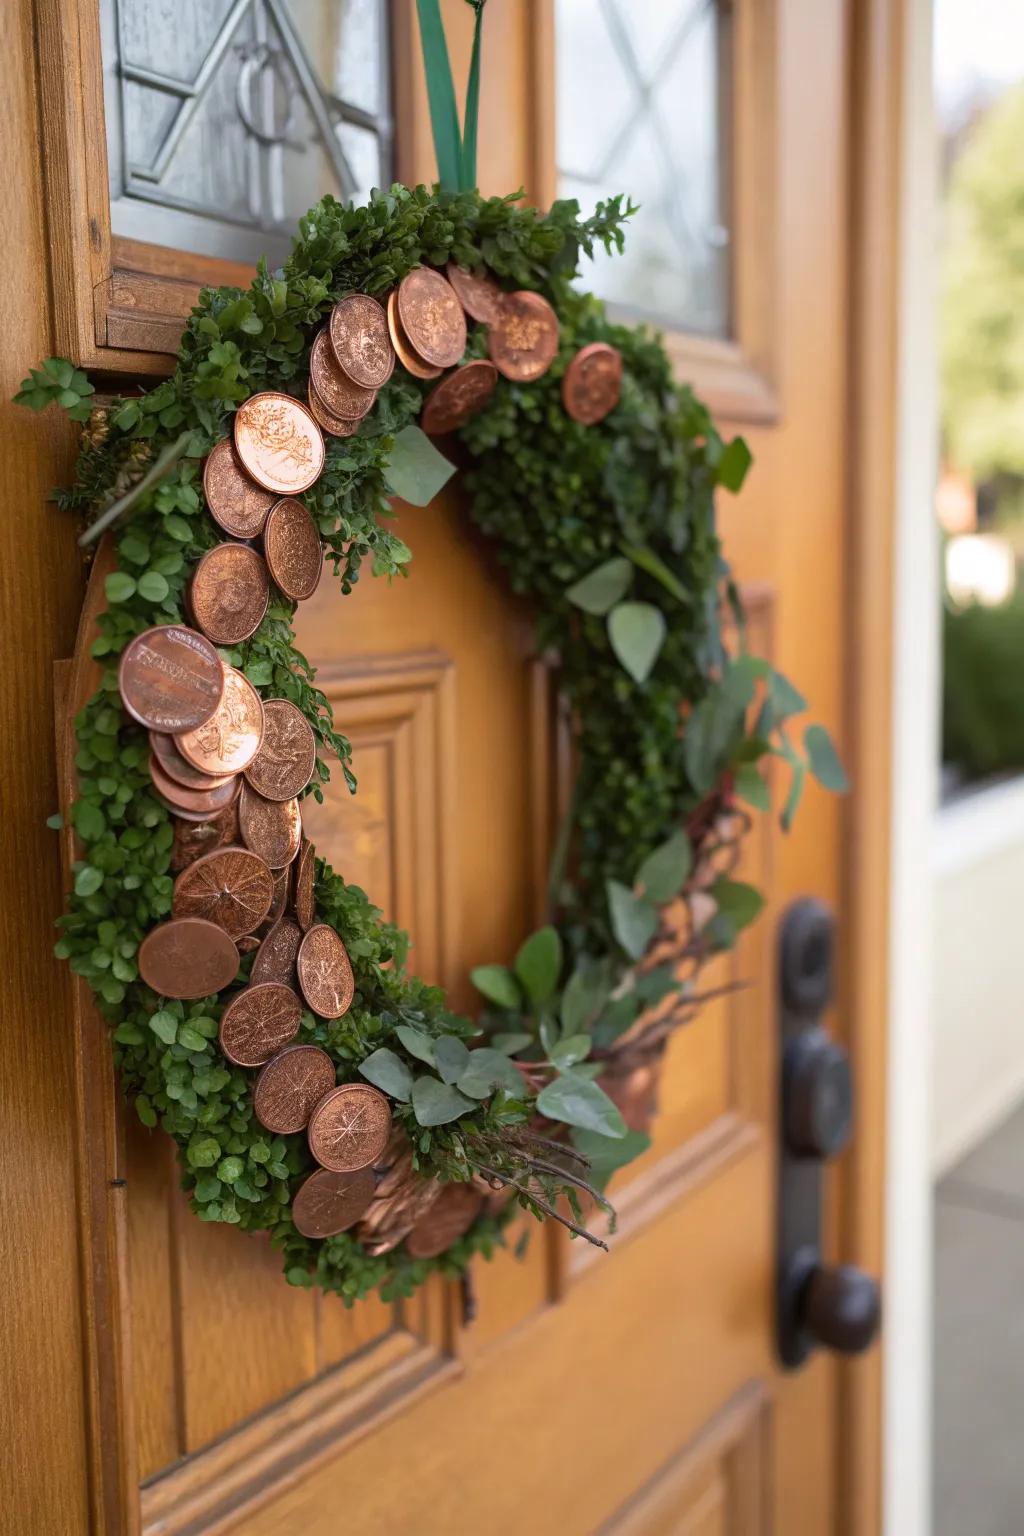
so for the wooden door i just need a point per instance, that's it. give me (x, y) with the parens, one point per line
(636, 1392)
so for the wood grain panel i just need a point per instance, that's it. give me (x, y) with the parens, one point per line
(154, 1379)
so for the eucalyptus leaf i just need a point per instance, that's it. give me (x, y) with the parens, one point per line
(585, 995)
(603, 588)
(488, 1069)
(436, 1103)
(538, 964)
(606, 1155)
(497, 984)
(451, 1057)
(663, 873)
(737, 901)
(749, 784)
(509, 1043)
(637, 633)
(574, 1100)
(416, 471)
(823, 760)
(733, 465)
(388, 1072)
(634, 918)
(570, 1050)
(417, 1043)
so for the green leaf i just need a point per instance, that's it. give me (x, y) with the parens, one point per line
(437, 1103)
(497, 984)
(735, 460)
(511, 1042)
(603, 588)
(191, 1039)
(586, 993)
(229, 1169)
(444, 116)
(751, 787)
(467, 177)
(605, 1155)
(451, 1057)
(145, 1111)
(203, 1152)
(784, 699)
(637, 633)
(416, 471)
(389, 1073)
(655, 566)
(488, 1069)
(417, 1043)
(153, 587)
(119, 587)
(736, 901)
(634, 918)
(663, 873)
(55, 822)
(539, 963)
(88, 880)
(823, 760)
(165, 1026)
(574, 1100)
(798, 778)
(89, 820)
(570, 1050)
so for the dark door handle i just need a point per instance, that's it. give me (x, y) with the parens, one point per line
(817, 1304)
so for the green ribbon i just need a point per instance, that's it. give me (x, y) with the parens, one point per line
(456, 153)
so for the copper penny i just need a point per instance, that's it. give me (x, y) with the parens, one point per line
(282, 891)
(432, 317)
(403, 347)
(293, 549)
(238, 504)
(358, 329)
(449, 1218)
(290, 1086)
(248, 944)
(332, 385)
(523, 340)
(478, 294)
(459, 396)
(230, 739)
(193, 802)
(171, 678)
(258, 1021)
(231, 887)
(329, 1203)
(333, 425)
(284, 764)
(191, 841)
(325, 972)
(350, 1127)
(271, 828)
(176, 767)
(592, 383)
(279, 443)
(187, 957)
(305, 886)
(229, 593)
(278, 953)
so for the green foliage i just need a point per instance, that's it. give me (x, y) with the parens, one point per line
(57, 380)
(982, 703)
(415, 470)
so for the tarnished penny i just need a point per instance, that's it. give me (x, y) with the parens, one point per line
(282, 891)
(231, 887)
(231, 738)
(278, 953)
(235, 502)
(325, 972)
(449, 1218)
(332, 385)
(247, 944)
(284, 764)
(459, 396)
(178, 768)
(478, 294)
(329, 1203)
(279, 444)
(432, 317)
(258, 1022)
(229, 593)
(350, 1127)
(270, 828)
(195, 802)
(523, 340)
(358, 330)
(592, 383)
(191, 841)
(293, 549)
(187, 957)
(171, 678)
(406, 355)
(290, 1086)
(333, 425)
(305, 886)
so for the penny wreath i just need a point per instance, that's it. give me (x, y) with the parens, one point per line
(261, 1010)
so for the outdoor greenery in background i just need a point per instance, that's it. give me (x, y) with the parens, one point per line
(983, 706)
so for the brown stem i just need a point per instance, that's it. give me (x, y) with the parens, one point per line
(536, 1199)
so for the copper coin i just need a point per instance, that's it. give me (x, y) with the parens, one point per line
(332, 385)
(359, 337)
(592, 383)
(193, 802)
(478, 294)
(282, 890)
(284, 764)
(290, 1086)
(350, 1127)
(191, 841)
(257, 1022)
(293, 549)
(523, 340)
(247, 944)
(449, 1218)
(171, 678)
(279, 443)
(230, 739)
(278, 953)
(177, 768)
(432, 317)
(234, 501)
(229, 593)
(305, 886)
(459, 396)
(403, 347)
(325, 421)
(187, 957)
(329, 1203)
(271, 828)
(325, 972)
(231, 887)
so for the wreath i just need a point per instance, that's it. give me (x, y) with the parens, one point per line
(401, 1137)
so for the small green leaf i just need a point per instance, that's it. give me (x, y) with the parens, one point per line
(55, 822)
(119, 587)
(203, 1151)
(389, 1073)
(230, 1168)
(663, 873)
(823, 760)
(585, 994)
(574, 1100)
(570, 1050)
(207, 1188)
(88, 880)
(603, 588)
(785, 700)
(539, 963)
(733, 465)
(89, 820)
(751, 787)
(153, 587)
(417, 1043)
(191, 1039)
(436, 1103)
(511, 1042)
(736, 901)
(416, 471)
(488, 1069)
(605, 1155)
(497, 984)
(634, 918)
(637, 633)
(451, 1057)
(655, 566)
(145, 1111)
(165, 1026)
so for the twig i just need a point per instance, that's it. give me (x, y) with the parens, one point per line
(564, 1148)
(157, 471)
(549, 1210)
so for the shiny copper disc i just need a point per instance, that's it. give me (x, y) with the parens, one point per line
(278, 443)
(358, 330)
(350, 1127)
(337, 393)
(403, 347)
(449, 1218)
(284, 764)
(333, 425)
(231, 738)
(178, 768)
(257, 1022)
(592, 383)
(192, 840)
(171, 678)
(305, 886)
(290, 1086)
(282, 893)
(329, 1203)
(229, 593)
(478, 294)
(431, 317)
(238, 504)
(278, 953)
(193, 802)
(325, 972)
(459, 396)
(231, 887)
(293, 549)
(270, 828)
(523, 341)
(187, 958)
